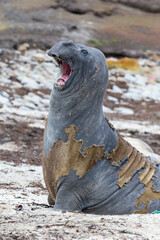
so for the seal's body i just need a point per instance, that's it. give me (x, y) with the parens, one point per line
(87, 165)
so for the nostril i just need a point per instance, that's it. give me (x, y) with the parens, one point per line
(51, 54)
(54, 55)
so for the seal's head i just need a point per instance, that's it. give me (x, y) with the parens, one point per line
(81, 67)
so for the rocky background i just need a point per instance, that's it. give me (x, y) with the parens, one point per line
(118, 27)
(121, 29)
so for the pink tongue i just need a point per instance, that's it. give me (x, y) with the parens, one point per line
(63, 78)
(66, 72)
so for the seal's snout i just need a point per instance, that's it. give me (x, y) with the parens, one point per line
(54, 52)
(51, 54)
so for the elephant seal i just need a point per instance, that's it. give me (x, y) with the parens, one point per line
(87, 165)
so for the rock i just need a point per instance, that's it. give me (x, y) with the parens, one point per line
(5, 94)
(157, 114)
(123, 110)
(125, 35)
(130, 78)
(9, 146)
(136, 79)
(155, 58)
(116, 89)
(38, 59)
(121, 79)
(23, 47)
(152, 92)
(133, 94)
(148, 93)
(136, 126)
(154, 76)
(17, 102)
(30, 83)
(29, 105)
(4, 101)
(125, 63)
(110, 98)
(107, 110)
(40, 56)
(144, 5)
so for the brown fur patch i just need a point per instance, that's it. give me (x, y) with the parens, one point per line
(135, 160)
(149, 194)
(123, 149)
(46, 174)
(64, 156)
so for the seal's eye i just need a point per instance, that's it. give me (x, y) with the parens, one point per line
(85, 52)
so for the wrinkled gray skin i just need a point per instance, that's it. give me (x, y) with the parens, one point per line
(81, 104)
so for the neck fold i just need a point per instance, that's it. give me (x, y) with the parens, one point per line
(86, 114)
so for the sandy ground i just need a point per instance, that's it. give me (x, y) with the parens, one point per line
(26, 215)
(26, 82)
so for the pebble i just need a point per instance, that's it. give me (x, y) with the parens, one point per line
(124, 111)
(157, 114)
(136, 126)
(39, 57)
(110, 98)
(150, 92)
(120, 79)
(142, 61)
(4, 101)
(116, 89)
(32, 98)
(29, 105)
(23, 47)
(136, 79)
(10, 146)
(5, 94)
(130, 78)
(29, 83)
(17, 102)
(107, 110)
(133, 94)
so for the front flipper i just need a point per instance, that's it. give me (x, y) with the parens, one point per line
(67, 201)
(69, 193)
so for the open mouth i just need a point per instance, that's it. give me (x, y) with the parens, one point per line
(65, 73)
